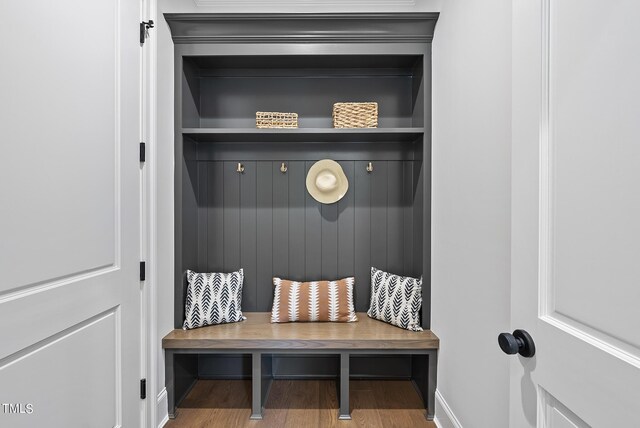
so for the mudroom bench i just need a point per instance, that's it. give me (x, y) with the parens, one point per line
(262, 340)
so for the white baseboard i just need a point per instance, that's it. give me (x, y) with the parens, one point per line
(444, 417)
(162, 409)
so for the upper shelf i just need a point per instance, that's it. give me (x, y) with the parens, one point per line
(308, 135)
(304, 66)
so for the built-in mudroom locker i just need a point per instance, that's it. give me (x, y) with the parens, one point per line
(241, 199)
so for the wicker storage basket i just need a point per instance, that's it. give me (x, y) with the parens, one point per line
(274, 119)
(355, 115)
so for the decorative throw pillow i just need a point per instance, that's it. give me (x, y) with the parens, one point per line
(396, 299)
(313, 301)
(213, 298)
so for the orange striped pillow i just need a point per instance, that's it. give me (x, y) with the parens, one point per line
(313, 301)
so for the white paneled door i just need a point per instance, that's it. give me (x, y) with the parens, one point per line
(576, 212)
(69, 213)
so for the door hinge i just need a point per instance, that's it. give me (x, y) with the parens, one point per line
(143, 271)
(143, 389)
(143, 152)
(144, 26)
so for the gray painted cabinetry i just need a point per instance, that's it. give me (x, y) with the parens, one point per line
(227, 67)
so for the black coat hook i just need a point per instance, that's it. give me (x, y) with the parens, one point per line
(144, 26)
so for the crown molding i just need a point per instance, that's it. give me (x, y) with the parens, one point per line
(302, 27)
(310, 3)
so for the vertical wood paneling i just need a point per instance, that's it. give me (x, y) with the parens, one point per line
(395, 219)
(267, 223)
(248, 232)
(297, 190)
(346, 225)
(362, 234)
(203, 214)
(280, 223)
(264, 239)
(329, 234)
(407, 209)
(419, 224)
(186, 226)
(313, 236)
(231, 214)
(215, 217)
(379, 198)
(425, 215)
(419, 247)
(190, 207)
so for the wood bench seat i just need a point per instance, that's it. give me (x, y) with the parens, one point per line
(256, 332)
(258, 337)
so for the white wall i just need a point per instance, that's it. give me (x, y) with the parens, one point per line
(471, 209)
(164, 200)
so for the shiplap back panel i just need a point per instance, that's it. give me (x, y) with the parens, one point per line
(266, 222)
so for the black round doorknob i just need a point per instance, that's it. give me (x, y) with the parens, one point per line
(520, 342)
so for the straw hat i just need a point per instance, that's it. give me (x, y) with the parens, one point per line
(326, 181)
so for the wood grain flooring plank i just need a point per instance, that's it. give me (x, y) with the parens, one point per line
(277, 404)
(363, 405)
(398, 404)
(303, 409)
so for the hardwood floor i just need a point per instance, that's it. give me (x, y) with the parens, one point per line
(302, 404)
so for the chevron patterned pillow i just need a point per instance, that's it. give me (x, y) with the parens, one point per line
(213, 298)
(395, 299)
(313, 301)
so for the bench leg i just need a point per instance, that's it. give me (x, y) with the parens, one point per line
(170, 383)
(267, 377)
(256, 386)
(423, 374)
(433, 382)
(344, 387)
